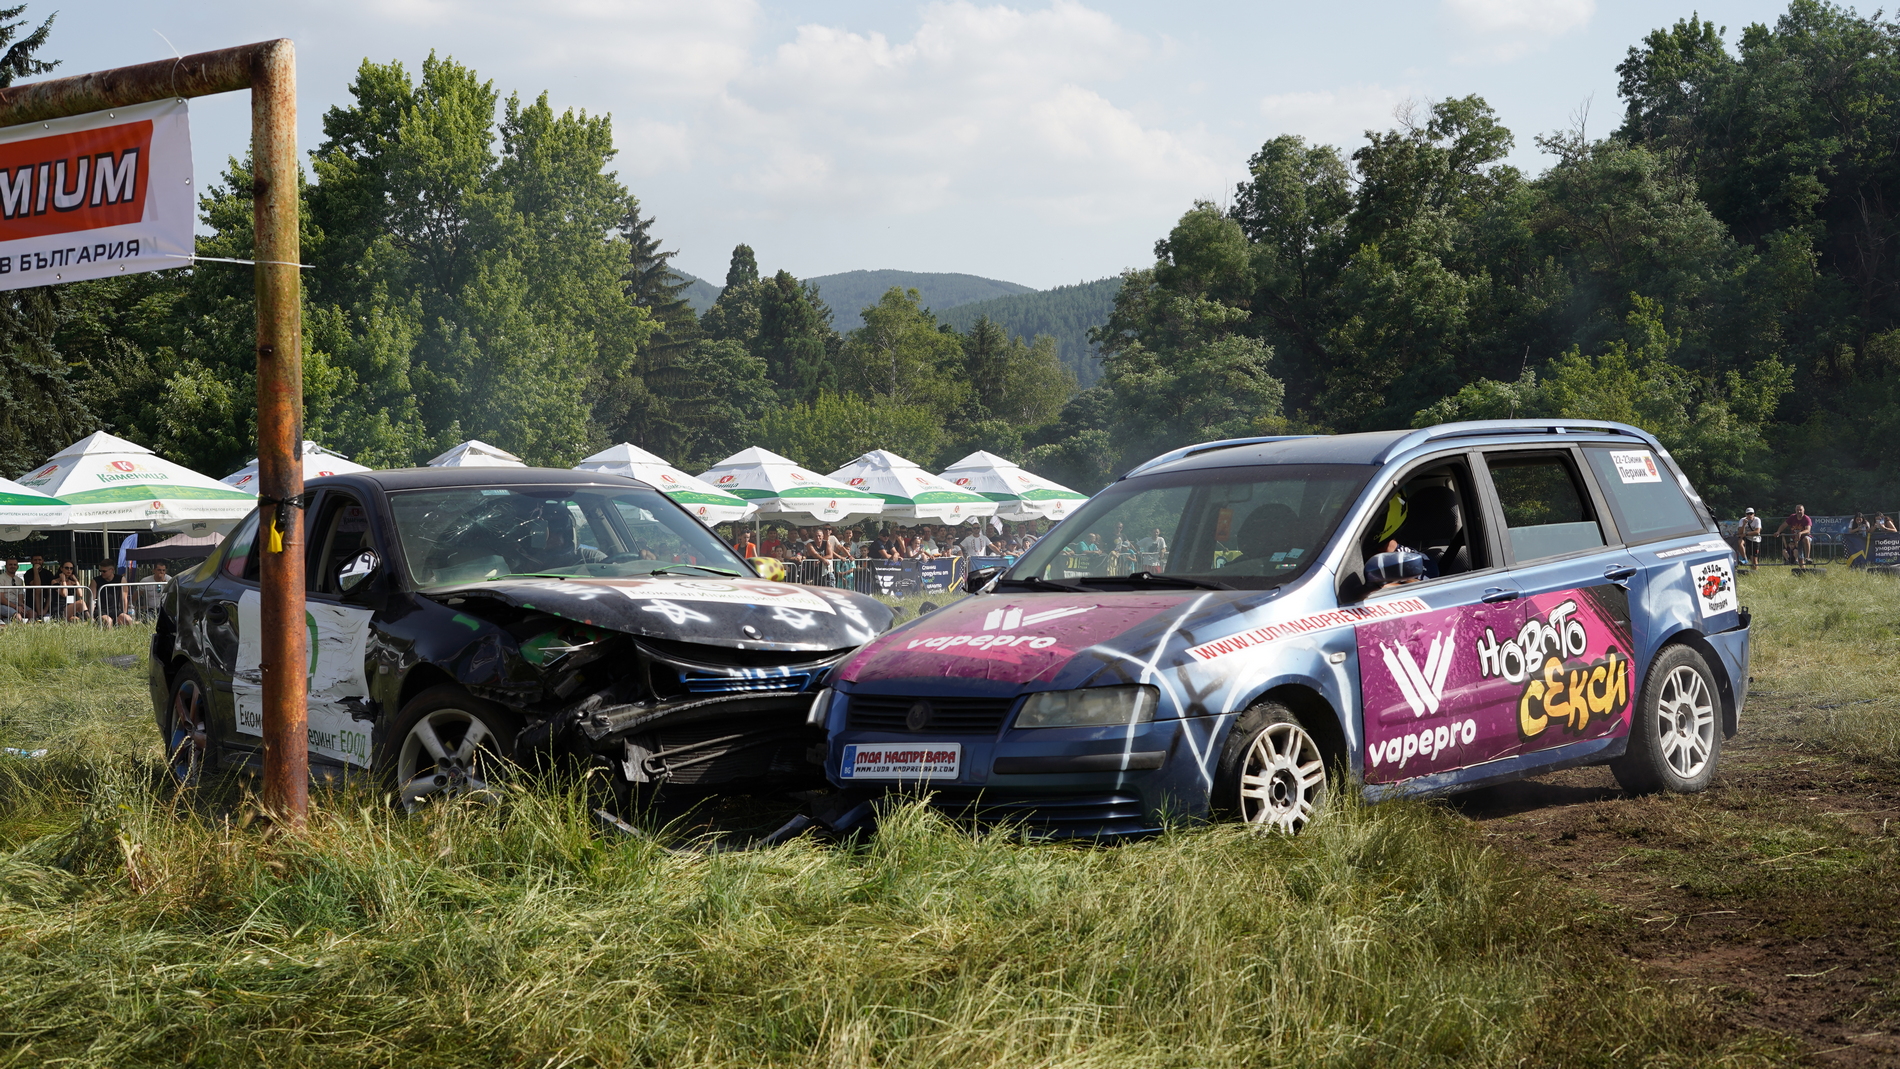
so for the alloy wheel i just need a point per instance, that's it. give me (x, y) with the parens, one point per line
(1685, 721)
(443, 756)
(1283, 780)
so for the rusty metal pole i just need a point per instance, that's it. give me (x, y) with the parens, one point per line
(286, 654)
(268, 69)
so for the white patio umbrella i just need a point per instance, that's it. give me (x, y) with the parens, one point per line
(709, 503)
(317, 462)
(24, 510)
(113, 484)
(1019, 495)
(475, 453)
(783, 490)
(910, 492)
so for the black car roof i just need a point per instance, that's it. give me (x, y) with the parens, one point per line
(436, 478)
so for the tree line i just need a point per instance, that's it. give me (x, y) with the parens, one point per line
(1722, 268)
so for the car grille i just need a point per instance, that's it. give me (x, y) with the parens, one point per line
(948, 716)
(1057, 815)
(704, 683)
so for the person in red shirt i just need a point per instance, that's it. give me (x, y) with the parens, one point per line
(1798, 526)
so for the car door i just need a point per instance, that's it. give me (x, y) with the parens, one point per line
(1426, 712)
(339, 712)
(215, 625)
(1566, 667)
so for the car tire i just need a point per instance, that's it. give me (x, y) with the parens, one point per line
(188, 727)
(1273, 772)
(1676, 730)
(446, 743)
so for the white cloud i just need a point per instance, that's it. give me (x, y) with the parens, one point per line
(980, 105)
(1507, 29)
(1334, 117)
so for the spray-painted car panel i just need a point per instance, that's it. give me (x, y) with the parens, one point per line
(1506, 670)
(683, 678)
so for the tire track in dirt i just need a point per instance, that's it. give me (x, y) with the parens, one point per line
(1776, 893)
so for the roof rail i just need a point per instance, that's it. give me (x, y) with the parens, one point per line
(1207, 447)
(1491, 428)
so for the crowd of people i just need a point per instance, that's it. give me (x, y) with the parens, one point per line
(891, 543)
(43, 590)
(1796, 534)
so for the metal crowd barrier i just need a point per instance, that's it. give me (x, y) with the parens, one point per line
(892, 578)
(52, 603)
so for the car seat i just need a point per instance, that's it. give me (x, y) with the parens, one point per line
(1271, 528)
(1435, 527)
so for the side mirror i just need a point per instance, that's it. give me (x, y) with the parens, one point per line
(353, 573)
(1395, 567)
(980, 578)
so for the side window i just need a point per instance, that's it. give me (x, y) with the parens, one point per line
(1546, 510)
(1430, 510)
(240, 554)
(342, 534)
(1644, 494)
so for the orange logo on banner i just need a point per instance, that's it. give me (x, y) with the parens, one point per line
(72, 182)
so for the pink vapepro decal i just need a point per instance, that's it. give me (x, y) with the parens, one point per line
(1456, 687)
(1008, 640)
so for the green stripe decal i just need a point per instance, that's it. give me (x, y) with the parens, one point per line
(29, 501)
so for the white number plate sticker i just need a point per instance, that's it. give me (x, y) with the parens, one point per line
(902, 760)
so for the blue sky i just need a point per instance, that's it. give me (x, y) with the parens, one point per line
(1038, 142)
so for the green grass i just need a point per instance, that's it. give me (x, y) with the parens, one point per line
(1829, 644)
(139, 925)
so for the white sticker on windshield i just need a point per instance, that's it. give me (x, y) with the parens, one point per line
(746, 593)
(1636, 466)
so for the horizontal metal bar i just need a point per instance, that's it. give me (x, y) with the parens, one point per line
(226, 70)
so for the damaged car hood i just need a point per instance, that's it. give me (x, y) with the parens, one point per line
(738, 612)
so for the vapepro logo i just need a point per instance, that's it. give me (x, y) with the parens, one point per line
(1424, 688)
(1011, 619)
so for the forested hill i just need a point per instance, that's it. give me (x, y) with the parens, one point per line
(849, 292)
(1065, 313)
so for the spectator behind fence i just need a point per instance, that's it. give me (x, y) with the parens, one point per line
(1748, 538)
(975, 544)
(109, 595)
(1798, 526)
(1882, 523)
(12, 599)
(44, 576)
(149, 598)
(70, 595)
(1857, 525)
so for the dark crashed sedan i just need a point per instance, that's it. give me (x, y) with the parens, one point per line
(462, 617)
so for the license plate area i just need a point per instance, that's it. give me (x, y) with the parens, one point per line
(918, 761)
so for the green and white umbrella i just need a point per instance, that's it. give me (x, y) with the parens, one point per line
(24, 510)
(784, 491)
(317, 462)
(475, 453)
(1019, 495)
(709, 503)
(910, 492)
(119, 485)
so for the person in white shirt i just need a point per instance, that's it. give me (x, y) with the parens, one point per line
(976, 544)
(12, 603)
(1154, 551)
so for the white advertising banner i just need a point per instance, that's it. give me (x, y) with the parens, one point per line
(90, 196)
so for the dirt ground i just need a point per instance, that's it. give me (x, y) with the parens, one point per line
(1777, 892)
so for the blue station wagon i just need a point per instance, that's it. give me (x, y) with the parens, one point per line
(1233, 629)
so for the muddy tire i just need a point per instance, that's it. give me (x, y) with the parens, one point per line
(1676, 731)
(187, 728)
(1272, 773)
(446, 743)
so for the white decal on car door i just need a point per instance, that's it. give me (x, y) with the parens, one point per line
(338, 637)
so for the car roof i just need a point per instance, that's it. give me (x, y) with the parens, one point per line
(437, 478)
(1381, 447)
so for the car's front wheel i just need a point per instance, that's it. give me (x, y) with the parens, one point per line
(1676, 732)
(1272, 773)
(446, 743)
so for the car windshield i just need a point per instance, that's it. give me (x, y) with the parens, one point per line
(470, 534)
(1248, 528)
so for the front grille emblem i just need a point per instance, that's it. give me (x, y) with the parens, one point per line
(919, 716)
